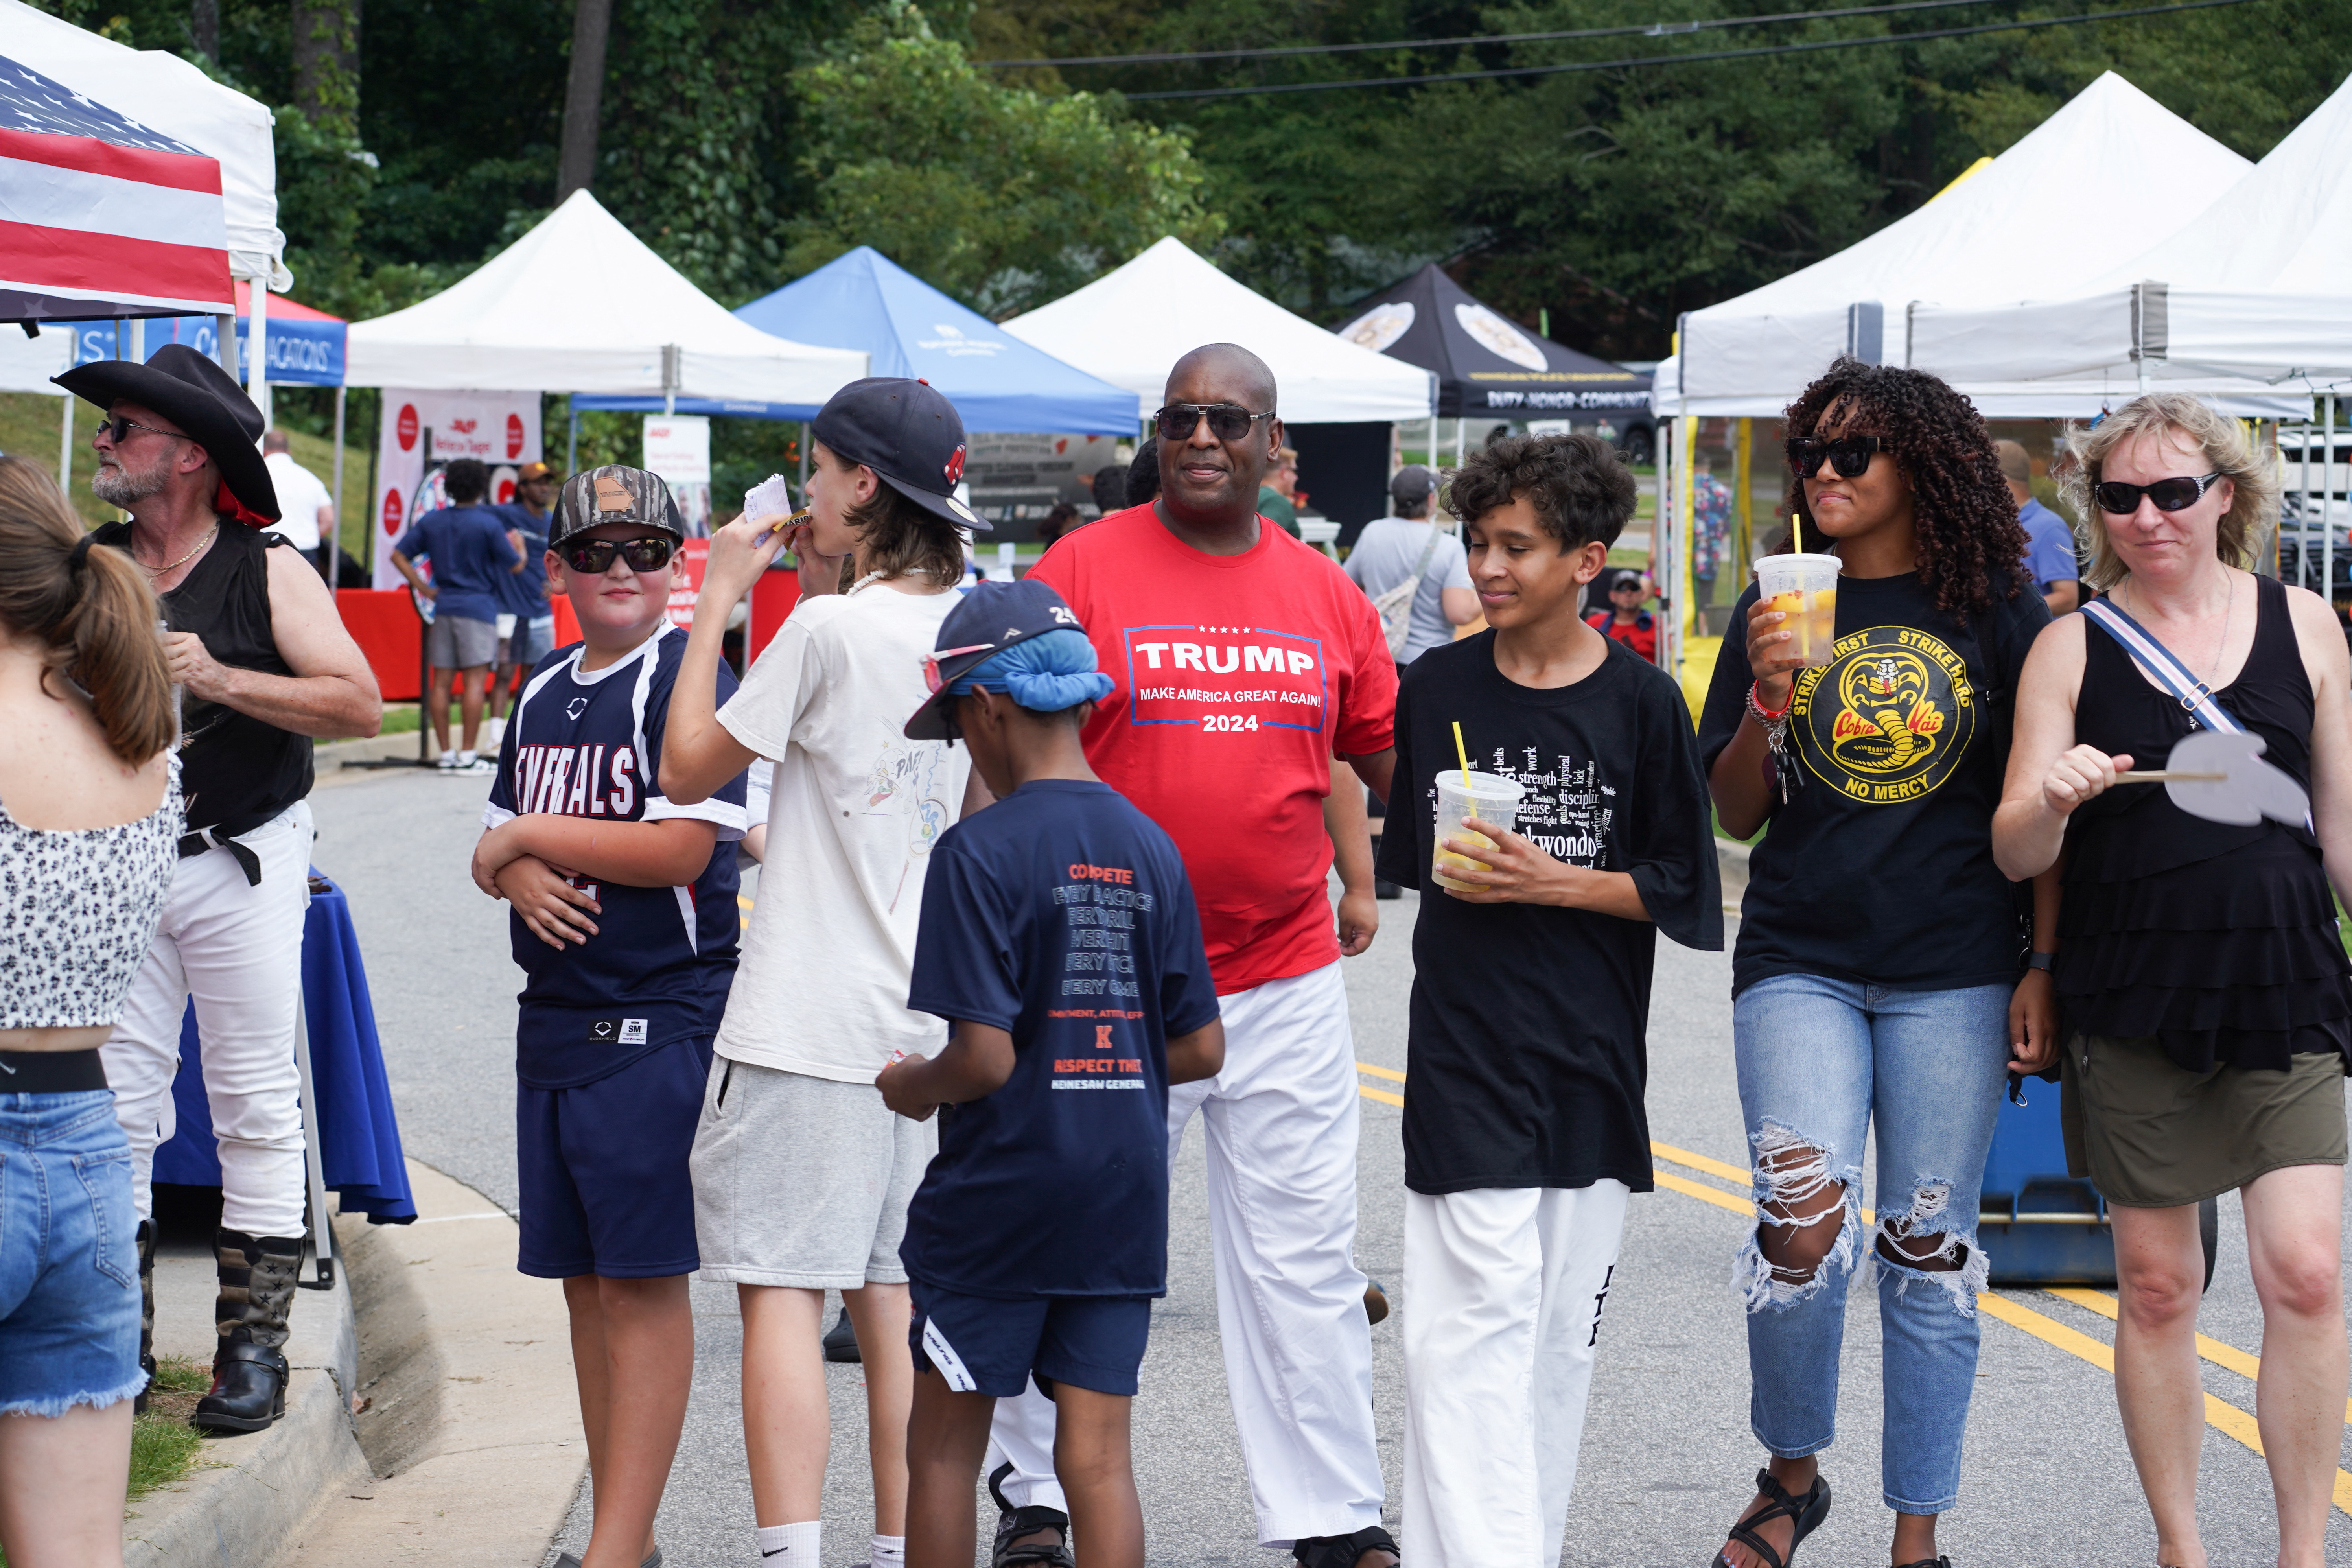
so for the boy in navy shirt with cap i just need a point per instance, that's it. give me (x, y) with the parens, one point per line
(625, 925)
(1060, 942)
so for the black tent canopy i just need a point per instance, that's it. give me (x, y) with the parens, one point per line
(1485, 362)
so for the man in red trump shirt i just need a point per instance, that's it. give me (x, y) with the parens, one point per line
(1244, 662)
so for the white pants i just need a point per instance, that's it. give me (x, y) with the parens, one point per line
(1282, 1121)
(237, 950)
(1503, 1292)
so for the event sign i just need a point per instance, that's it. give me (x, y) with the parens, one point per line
(677, 448)
(423, 433)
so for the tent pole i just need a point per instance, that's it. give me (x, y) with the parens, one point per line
(2327, 499)
(571, 446)
(1743, 477)
(335, 542)
(256, 382)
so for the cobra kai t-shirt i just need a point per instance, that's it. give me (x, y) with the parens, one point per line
(1879, 866)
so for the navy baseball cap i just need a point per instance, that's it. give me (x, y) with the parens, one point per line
(992, 617)
(907, 432)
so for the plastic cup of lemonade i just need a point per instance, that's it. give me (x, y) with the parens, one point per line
(1804, 588)
(1489, 798)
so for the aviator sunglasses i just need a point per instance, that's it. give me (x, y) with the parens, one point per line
(122, 428)
(1849, 455)
(1227, 422)
(595, 556)
(2173, 494)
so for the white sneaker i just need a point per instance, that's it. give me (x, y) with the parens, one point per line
(479, 765)
(448, 762)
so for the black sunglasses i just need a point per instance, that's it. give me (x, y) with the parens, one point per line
(1227, 421)
(2170, 495)
(122, 427)
(595, 556)
(1849, 455)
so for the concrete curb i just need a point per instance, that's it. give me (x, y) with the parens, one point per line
(254, 1492)
(472, 1430)
(329, 756)
(1731, 862)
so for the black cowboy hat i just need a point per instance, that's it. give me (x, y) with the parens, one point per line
(199, 398)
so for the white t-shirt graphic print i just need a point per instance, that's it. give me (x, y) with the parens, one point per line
(856, 808)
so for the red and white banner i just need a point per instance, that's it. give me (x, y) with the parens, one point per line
(423, 433)
(98, 208)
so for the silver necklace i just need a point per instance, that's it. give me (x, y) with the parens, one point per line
(183, 560)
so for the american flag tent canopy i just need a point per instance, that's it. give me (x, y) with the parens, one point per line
(100, 214)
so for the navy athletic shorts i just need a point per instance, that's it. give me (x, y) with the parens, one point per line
(602, 1166)
(986, 1346)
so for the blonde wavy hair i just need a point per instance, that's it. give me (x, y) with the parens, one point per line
(2254, 508)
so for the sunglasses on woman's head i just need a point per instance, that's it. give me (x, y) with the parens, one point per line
(1227, 421)
(1849, 455)
(2170, 495)
(595, 556)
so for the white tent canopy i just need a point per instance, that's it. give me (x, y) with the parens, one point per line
(2259, 284)
(580, 304)
(168, 94)
(2019, 227)
(1129, 327)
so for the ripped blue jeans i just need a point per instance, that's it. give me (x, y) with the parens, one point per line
(1819, 1059)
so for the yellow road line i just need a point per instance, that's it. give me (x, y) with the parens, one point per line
(2227, 1356)
(1389, 1073)
(1383, 1096)
(1715, 1196)
(1701, 1162)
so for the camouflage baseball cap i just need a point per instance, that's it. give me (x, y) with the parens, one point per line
(614, 493)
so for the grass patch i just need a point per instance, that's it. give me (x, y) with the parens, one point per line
(163, 1448)
(400, 718)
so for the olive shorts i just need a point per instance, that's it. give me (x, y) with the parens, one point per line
(2150, 1136)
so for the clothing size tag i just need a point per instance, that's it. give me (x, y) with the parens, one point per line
(622, 1031)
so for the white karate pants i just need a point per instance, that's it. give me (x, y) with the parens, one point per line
(237, 950)
(1282, 1123)
(1503, 1292)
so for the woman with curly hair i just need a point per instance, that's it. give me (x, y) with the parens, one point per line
(1877, 976)
(2204, 996)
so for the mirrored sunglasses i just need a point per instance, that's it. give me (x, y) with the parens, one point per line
(1227, 422)
(595, 556)
(1849, 455)
(2170, 495)
(931, 677)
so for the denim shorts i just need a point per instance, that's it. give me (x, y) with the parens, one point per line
(68, 1255)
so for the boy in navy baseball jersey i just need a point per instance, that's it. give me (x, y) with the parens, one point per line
(1059, 941)
(624, 924)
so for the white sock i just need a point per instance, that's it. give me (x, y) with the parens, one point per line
(448, 756)
(464, 759)
(790, 1546)
(890, 1551)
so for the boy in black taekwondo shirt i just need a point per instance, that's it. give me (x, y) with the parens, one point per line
(1524, 1132)
(624, 924)
(1060, 942)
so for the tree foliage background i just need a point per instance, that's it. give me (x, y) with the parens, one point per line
(748, 142)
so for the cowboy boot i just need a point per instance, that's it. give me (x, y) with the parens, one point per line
(256, 1292)
(146, 1244)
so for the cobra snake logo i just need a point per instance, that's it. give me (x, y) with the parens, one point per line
(1886, 722)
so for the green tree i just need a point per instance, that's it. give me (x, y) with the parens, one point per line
(1005, 196)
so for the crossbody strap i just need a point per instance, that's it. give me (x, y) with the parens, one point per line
(2158, 660)
(1428, 550)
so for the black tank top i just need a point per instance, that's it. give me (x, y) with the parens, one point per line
(236, 770)
(2221, 941)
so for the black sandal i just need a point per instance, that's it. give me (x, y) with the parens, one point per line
(1928, 1563)
(1012, 1524)
(1808, 1511)
(1342, 1551)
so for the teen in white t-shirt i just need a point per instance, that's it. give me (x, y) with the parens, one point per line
(802, 1175)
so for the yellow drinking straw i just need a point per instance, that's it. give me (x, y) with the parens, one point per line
(1797, 530)
(1461, 756)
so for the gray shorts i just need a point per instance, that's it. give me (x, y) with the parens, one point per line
(802, 1181)
(460, 642)
(531, 641)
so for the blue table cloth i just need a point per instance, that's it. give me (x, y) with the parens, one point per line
(359, 1137)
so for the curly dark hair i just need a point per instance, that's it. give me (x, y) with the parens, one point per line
(466, 480)
(1581, 491)
(1961, 507)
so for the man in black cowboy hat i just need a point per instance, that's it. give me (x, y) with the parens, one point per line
(265, 666)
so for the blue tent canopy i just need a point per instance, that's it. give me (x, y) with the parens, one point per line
(866, 301)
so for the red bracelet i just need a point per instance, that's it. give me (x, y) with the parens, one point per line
(1756, 701)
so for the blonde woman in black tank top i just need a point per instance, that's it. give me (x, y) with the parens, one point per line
(2205, 1001)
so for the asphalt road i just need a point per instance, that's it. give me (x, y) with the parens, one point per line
(1667, 1455)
